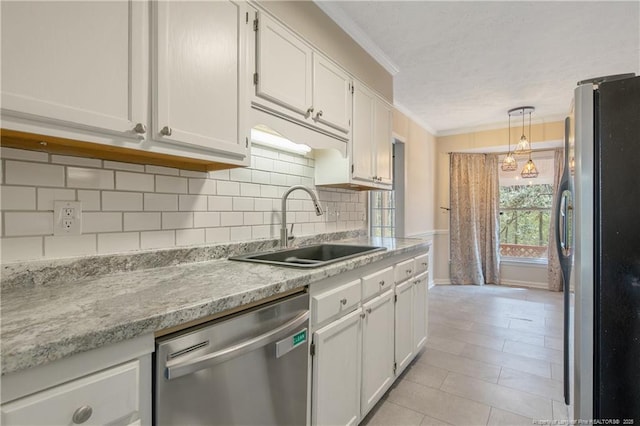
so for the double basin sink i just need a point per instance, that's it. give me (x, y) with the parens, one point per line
(313, 256)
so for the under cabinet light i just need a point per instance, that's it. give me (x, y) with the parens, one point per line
(260, 137)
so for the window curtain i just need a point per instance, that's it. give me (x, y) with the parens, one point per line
(474, 225)
(554, 270)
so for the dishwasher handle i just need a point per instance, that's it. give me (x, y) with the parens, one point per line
(177, 369)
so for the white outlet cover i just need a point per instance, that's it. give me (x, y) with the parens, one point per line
(65, 224)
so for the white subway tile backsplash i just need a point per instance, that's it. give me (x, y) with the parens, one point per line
(36, 174)
(174, 185)
(25, 248)
(206, 219)
(249, 190)
(260, 232)
(189, 237)
(21, 154)
(76, 161)
(46, 197)
(157, 239)
(202, 186)
(17, 198)
(161, 170)
(220, 203)
(121, 201)
(253, 218)
(79, 177)
(268, 191)
(278, 179)
(217, 235)
(265, 164)
(177, 220)
(142, 221)
(263, 204)
(193, 203)
(127, 181)
(193, 174)
(293, 180)
(70, 246)
(90, 200)
(228, 188)
(273, 217)
(230, 219)
(240, 175)
(27, 223)
(94, 222)
(243, 204)
(240, 233)
(307, 229)
(219, 174)
(118, 242)
(116, 165)
(258, 176)
(160, 202)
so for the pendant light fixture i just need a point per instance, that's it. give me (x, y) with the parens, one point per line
(509, 163)
(529, 171)
(524, 146)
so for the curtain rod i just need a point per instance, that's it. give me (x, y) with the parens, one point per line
(506, 152)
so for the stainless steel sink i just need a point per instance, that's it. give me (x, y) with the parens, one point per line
(308, 257)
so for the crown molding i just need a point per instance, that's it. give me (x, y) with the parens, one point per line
(358, 35)
(494, 126)
(403, 109)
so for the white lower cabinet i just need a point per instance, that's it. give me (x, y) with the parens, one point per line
(404, 325)
(336, 372)
(377, 349)
(420, 310)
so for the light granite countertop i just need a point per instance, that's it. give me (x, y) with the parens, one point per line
(45, 321)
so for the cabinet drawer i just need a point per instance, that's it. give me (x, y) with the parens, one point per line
(422, 263)
(105, 397)
(404, 270)
(338, 300)
(377, 282)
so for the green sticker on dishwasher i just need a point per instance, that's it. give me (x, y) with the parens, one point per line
(300, 337)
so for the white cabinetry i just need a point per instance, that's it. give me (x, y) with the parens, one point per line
(336, 372)
(368, 164)
(420, 310)
(297, 83)
(377, 349)
(75, 63)
(200, 97)
(109, 385)
(404, 347)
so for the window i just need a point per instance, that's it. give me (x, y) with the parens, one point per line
(383, 211)
(525, 210)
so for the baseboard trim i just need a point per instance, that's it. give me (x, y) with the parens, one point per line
(528, 284)
(442, 281)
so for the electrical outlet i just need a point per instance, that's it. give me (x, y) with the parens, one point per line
(67, 218)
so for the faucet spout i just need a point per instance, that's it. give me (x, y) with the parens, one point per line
(284, 237)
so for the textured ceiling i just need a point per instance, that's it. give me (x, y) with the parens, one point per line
(462, 65)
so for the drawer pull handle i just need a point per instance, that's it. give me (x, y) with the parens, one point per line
(82, 414)
(343, 301)
(382, 283)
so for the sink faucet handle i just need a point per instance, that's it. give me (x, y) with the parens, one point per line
(290, 236)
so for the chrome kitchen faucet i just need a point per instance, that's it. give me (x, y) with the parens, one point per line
(284, 236)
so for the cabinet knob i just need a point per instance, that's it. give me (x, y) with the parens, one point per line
(409, 271)
(82, 414)
(310, 111)
(140, 128)
(368, 310)
(424, 263)
(382, 283)
(375, 178)
(165, 131)
(362, 315)
(343, 301)
(319, 114)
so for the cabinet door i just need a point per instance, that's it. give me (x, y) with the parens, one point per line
(377, 350)
(404, 325)
(336, 372)
(283, 66)
(362, 145)
(420, 310)
(200, 57)
(76, 63)
(331, 94)
(383, 142)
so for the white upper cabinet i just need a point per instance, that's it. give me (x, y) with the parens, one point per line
(294, 82)
(76, 63)
(283, 67)
(383, 157)
(331, 94)
(200, 97)
(363, 142)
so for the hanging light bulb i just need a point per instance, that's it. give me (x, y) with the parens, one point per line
(524, 147)
(509, 163)
(529, 171)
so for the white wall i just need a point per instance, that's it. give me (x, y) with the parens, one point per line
(128, 207)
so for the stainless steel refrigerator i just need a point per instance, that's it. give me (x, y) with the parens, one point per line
(598, 239)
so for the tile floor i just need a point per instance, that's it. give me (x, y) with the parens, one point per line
(493, 357)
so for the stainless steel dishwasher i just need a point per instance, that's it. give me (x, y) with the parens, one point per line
(247, 369)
